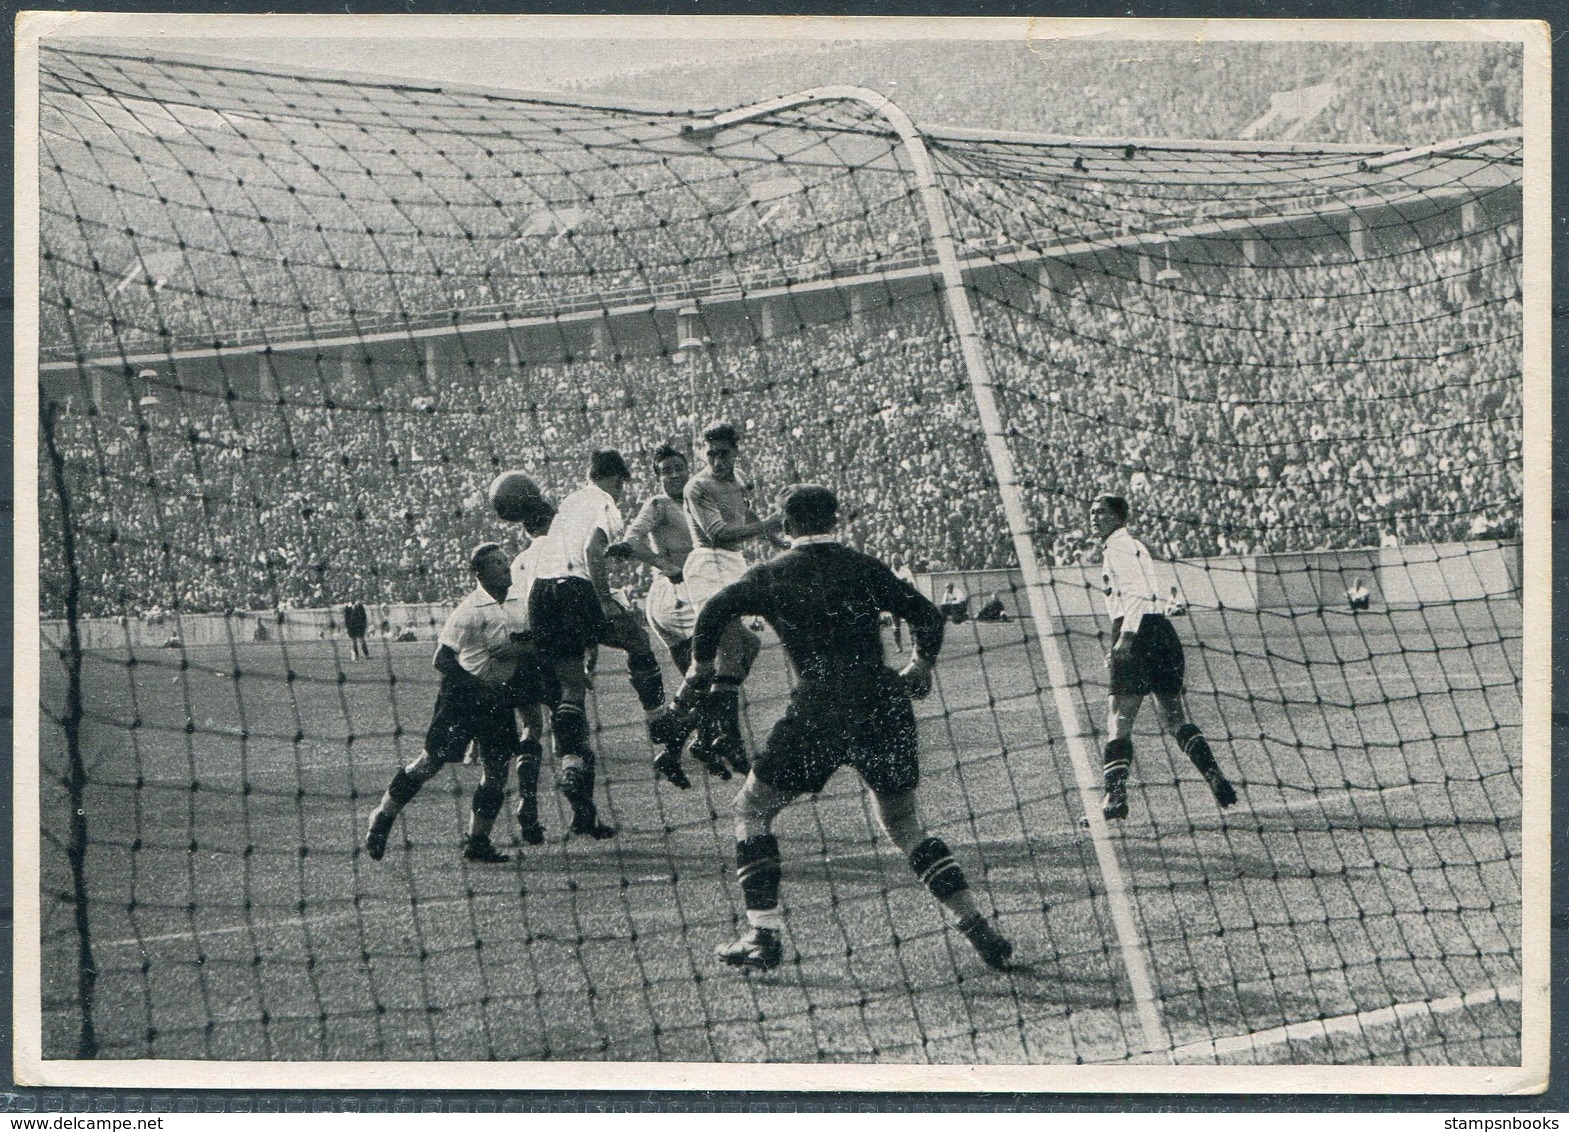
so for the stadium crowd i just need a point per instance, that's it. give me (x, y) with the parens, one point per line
(1317, 396)
(1324, 403)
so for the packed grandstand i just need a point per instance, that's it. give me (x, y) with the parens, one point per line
(1324, 393)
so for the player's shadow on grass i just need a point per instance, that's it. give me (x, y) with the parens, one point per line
(1053, 866)
(1037, 985)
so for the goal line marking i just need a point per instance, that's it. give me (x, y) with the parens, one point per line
(1346, 1023)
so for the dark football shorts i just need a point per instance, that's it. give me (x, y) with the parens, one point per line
(534, 682)
(565, 616)
(624, 630)
(867, 723)
(1153, 664)
(467, 710)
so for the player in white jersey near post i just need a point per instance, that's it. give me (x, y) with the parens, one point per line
(1146, 656)
(571, 611)
(661, 537)
(719, 510)
(532, 695)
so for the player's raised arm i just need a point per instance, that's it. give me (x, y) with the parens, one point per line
(637, 542)
(907, 603)
(710, 524)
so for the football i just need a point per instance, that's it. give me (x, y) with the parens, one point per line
(513, 496)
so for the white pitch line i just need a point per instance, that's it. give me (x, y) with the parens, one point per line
(1345, 1023)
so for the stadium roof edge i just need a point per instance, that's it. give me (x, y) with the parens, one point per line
(934, 132)
(942, 133)
(390, 82)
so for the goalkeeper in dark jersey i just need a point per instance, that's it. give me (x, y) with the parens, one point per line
(848, 707)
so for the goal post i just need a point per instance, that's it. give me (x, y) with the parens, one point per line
(291, 326)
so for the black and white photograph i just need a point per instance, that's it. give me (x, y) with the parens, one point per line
(724, 552)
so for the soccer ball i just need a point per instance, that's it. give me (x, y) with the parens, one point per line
(514, 496)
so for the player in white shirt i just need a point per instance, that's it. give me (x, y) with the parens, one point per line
(571, 610)
(541, 688)
(719, 510)
(477, 655)
(1146, 657)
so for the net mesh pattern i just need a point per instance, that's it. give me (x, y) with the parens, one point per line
(292, 326)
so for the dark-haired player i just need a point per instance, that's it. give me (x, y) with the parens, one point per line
(720, 513)
(571, 610)
(661, 537)
(477, 655)
(847, 707)
(1146, 657)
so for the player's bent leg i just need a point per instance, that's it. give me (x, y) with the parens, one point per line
(738, 651)
(757, 870)
(719, 742)
(932, 862)
(1197, 748)
(667, 729)
(678, 723)
(681, 654)
(400, 792)
(530, 754)
(491, 792)
(569, 725)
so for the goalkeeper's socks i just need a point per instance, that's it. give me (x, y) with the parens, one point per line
(757, 868)
(944, 879)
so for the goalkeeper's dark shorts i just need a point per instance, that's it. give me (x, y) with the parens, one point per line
(1154, 663)
(468, 710)
(865, 722)
(565, 616)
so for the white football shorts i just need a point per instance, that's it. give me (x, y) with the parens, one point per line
(708, 571)
(671, 613)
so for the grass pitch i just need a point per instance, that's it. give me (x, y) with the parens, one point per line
(1360, 905)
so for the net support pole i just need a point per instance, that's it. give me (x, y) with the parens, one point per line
(1130, 938)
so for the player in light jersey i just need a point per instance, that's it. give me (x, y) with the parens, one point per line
(1146, 656)
(719, 510)
(530, 696)
(661, 537)
(477, 656)
(572, 610)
